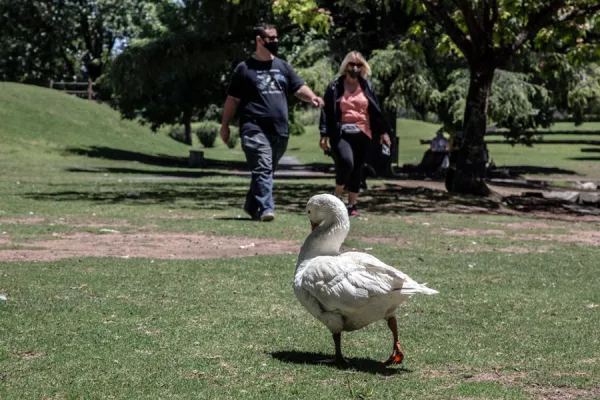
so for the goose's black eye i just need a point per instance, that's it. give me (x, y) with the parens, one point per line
(308, 211)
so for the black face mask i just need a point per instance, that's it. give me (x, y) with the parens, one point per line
(353, 73)
(272, 47)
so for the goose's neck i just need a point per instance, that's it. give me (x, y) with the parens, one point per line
(326, 239)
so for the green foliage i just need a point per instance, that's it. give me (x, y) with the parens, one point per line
(234, 137)
(514, 104)
(55, 39)
(518, 105)
(169, 79)
(314, 64)
(584, 98)
(406, 79)
(296, 129)
(303, 13)
(177, 133)
(308, 116)
(207, 132)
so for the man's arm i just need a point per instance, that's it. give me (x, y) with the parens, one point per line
(229, 109)
(306, 94)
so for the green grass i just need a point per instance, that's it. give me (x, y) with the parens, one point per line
(515, 317)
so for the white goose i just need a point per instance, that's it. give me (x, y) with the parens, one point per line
(347, 291)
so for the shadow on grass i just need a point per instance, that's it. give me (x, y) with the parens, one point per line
(110, 153)
(585, 158)
(163, 160)
(356, 364)
(288, 195)
(534, 169)
(158, 175)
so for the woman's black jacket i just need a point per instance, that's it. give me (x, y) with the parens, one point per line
(331, 115)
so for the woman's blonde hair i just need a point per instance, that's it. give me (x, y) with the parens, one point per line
(365, 71)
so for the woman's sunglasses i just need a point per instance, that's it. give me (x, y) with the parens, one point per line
(353, 64)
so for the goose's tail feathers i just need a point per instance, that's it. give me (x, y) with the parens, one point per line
(411, 287)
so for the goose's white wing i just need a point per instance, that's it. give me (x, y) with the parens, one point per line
(348, 281)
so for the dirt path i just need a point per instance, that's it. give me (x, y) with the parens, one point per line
(160, 245)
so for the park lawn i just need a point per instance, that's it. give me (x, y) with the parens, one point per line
(504, 326)
(516, 318)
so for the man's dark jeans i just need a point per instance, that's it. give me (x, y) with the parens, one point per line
(263, 152)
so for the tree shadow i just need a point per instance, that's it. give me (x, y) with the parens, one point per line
(585, 158)
(590, 150)
(110, 153)
(534, 169)
(356, 364)
(163, 160)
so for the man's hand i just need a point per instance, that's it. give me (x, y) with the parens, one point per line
(225, 133)
(317, 102)
(385, 138)
(323, 143)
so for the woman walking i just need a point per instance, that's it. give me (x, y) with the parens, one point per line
(352, 118)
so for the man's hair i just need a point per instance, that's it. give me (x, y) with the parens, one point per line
(259, 29)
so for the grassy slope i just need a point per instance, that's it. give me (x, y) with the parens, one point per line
(43, 130)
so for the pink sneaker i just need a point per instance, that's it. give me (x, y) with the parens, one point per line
(352, 211)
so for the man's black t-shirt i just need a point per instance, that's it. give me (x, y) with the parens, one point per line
(263, 88)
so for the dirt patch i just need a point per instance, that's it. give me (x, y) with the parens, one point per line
(474, 232)
(495, 376)
(509, 249)
(75, 222)
(563, 393)
(31, 355)
(581, 237)
(383, 240)
(515, 379)
(526, 225)
(160, 245)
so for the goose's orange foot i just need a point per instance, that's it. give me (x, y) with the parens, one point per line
(396, 358)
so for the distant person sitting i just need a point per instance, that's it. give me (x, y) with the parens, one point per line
(439, 143)
(436, 157)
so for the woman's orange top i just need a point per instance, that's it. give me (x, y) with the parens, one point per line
(354, 107)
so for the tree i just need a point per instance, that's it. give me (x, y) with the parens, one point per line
(44, 40)
(170, 78)
(489, 34)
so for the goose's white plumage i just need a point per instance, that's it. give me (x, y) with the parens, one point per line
(347, 291)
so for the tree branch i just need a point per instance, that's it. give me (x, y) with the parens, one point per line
(457, 35)
(579, 13)
(537, 21)
(544, 18)
(469, 14)
(490, 15)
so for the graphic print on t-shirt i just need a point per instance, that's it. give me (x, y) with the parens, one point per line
(270, 82)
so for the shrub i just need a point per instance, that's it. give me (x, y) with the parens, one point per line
(178, 133)
(234, 137)
(296, 129)
(309, 116)
(207, 132)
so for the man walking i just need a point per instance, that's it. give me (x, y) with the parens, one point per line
(259, 87)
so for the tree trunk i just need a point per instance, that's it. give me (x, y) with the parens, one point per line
(469, 173)
(187, 123)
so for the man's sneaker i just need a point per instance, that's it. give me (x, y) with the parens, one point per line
(267, 216)
(352, 211)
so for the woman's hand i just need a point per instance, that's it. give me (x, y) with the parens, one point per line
(385, 138)
(324, 143)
